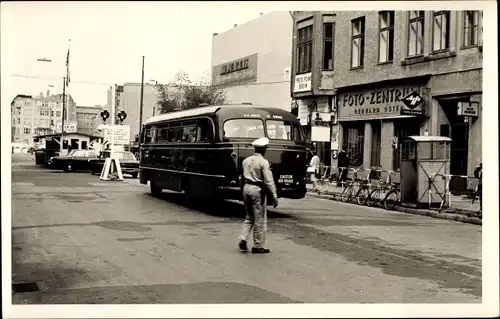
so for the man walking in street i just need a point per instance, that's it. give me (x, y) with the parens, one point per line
(258, 181)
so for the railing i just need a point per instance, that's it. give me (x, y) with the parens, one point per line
(461, 192)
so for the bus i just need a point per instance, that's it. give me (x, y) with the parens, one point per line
(200, 151)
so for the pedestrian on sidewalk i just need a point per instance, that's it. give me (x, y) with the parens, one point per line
(478, 173)
(314, 165)
(343, 165)
(258, 182)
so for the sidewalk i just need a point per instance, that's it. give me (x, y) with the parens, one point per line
(462, 210)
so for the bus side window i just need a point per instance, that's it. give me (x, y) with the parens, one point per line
(162, 135)
(204, 131)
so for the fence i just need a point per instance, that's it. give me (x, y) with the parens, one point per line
(461, 192)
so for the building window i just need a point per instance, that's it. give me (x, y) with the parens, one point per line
(328, 46)
(27, 130)
(18, 120)
(376, 143)
(386, 36)
(353, 142)
(357, 42)
(471, 26)
(416, 33)
(58, 113)
(441, 28)
(304, 49)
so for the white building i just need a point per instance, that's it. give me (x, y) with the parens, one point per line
(252, 61)
(38, 115)
(129, 100)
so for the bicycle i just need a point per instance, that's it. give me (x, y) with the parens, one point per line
(375, 195)
(361, 194)
(392, 198)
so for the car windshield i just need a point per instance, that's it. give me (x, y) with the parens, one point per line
(281, 130)
(246, 128)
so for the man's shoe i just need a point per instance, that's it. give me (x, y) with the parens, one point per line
(260, 250)
(243, 245)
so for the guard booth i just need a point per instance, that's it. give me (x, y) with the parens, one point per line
(425, 164)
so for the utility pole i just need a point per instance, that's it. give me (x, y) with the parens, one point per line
(142, 97)
(63, 114)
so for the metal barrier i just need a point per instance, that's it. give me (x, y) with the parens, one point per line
(467, 198)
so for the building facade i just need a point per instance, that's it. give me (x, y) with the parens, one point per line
(252, 61)
(128, 99)
(432, 58)
(39, 115)
(88, 118)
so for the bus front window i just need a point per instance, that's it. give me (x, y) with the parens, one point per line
(280, 130)
(244, 128)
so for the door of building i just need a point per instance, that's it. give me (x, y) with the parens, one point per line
(459, 134)
(403, 128)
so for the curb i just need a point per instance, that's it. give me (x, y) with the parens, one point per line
(456, 216)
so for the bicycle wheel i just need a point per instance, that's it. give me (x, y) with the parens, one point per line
(391, 200)
(363, 195)
(373, 197)
(346, 195)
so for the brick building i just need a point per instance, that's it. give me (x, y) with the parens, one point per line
(360, 64)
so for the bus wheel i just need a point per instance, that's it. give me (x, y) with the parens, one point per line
(155, 190)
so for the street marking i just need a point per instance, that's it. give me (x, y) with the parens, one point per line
(22, 184)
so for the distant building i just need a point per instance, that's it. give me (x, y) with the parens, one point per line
(128, 99)
(252, 60)
(88, 118)
(37, 115)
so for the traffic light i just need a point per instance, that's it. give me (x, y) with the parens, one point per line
(122, 116)
(104, 115)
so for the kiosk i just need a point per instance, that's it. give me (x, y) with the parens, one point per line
(425, 163)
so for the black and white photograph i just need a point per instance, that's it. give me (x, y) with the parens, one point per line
(249, 159)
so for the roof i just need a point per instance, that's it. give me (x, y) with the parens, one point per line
(212, 110)
(59, 134)
(429, 138)
(24, 96)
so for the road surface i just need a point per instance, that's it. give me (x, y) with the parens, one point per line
(83, 240)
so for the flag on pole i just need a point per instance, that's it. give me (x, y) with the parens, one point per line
(67, 69)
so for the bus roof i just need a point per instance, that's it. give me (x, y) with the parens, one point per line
(226, 109)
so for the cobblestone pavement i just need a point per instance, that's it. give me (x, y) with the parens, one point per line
(83, 240)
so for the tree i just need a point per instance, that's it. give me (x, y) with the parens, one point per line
(181, 94)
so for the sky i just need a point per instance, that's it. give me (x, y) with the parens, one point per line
(107, 42)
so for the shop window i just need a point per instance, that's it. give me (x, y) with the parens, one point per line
(416, 33)
(304, 49)
(441, 31)
(328, 32)
(353, 142)
(386, 36)
(376, 143)
(357, 42)
(402, 129)
(471, 26)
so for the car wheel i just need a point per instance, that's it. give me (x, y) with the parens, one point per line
(134, 175)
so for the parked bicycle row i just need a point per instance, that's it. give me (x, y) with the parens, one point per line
(371, 187)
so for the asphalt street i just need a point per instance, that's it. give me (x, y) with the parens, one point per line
(83, 240)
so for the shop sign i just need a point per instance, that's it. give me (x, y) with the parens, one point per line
(412, 102)
(468, 108)
(377, 103)
(69, 126)
(302, 83)
(321, 119)
(326, 80)
(236, 71)
(320, 133)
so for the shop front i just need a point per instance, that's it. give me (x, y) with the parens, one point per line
(374, 119)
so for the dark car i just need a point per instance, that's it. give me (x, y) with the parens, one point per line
(128, 163)
(76, 160)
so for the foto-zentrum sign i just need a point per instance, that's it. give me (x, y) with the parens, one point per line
(375, 103)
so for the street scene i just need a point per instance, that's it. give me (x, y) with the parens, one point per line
(86, 241)
(170, 153)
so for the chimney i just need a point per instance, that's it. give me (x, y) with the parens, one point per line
(215, 34)
(48, 93)
(235, 25)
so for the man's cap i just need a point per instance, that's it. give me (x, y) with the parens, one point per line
(261, 142)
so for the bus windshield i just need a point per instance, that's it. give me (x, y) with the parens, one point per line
(281, 130)
(246, 128)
